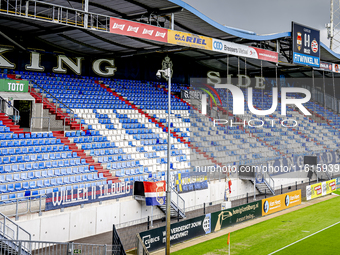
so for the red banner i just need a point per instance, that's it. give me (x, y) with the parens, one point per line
(267, 55)
(140, 30)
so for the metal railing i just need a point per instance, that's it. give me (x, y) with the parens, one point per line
(29, 204)
(54, 105)
(330, 101)
(178, 201)
(269, 181)
(24, 247)
(49, 12)
(141, 248)
(49, 122)
(117, 242)
(70, 116)
(11, 231)
(16, 114)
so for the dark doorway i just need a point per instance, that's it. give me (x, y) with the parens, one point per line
(25, 109)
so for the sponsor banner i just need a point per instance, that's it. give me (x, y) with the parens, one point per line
(330, 186)
(338, 183)
(154, 193)
(189, 40)
(336, 68)
(136, 29)
(280, 202)
(244, 50)
(13, 85)
(155, 239)
(314, 191)
(226, 218)
(67, 198)
(306, 45)
(186, 182)
(320, 189)
(325, 66)
(305, 60)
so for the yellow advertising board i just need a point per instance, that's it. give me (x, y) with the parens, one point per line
(320, 189)
(189, 40)
(330, 186)
(280, 202)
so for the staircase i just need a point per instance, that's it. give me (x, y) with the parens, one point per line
(53, 109)
(7, 121)
(10, 231)
(177, 208)
(264, 183)
(263, 187)
(80, 153)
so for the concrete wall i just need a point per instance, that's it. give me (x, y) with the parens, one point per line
(37, 111)
(93, 219)
(96, 218)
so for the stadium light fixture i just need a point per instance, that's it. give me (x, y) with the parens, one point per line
(167, 73)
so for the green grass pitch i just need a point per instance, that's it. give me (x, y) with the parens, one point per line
(274, 234)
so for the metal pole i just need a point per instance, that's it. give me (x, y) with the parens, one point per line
(16, 212)
(331, 28)
(172, 22)
(324, 92)
(168, 193)
(4, 226)
(86, 8)
(313, 91)
(151, 216)
(335, 107)
(254, 189)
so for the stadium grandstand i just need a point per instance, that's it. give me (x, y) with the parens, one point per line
(84, 120)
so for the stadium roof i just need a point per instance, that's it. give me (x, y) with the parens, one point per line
(187, 19)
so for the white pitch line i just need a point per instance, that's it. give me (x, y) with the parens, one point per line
(304, 238)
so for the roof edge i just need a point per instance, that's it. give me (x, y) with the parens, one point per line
(233, 31)
(337, 55)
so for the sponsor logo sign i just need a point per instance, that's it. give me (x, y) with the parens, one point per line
(325, 66)
(186, 182)
(306, 45)
(320, 189)
(67, 198)
(338, 182)
(243, 50)
(155, 239)
(336, 68)
(226, 218)
(189, 40)
(13, 85)
(280, 202)
(136, 29)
